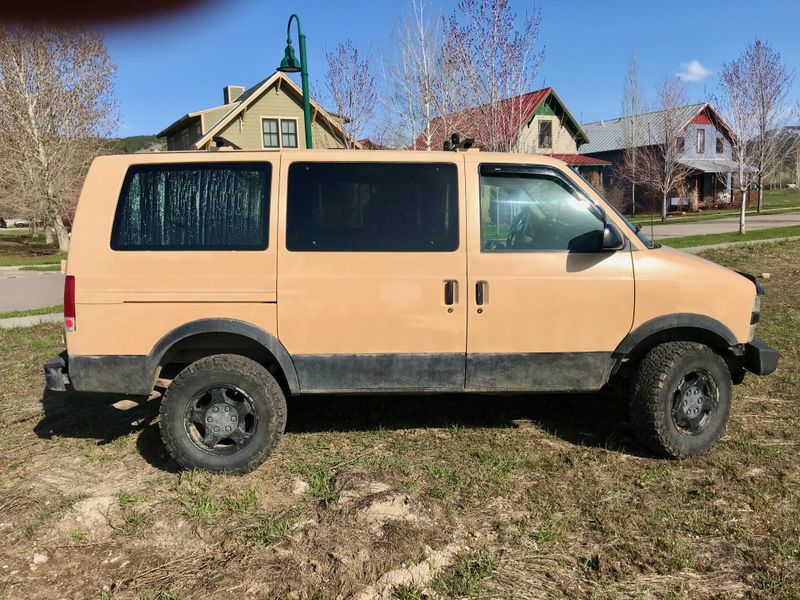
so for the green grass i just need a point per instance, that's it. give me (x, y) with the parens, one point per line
(52, 267)
(126, 498)
(691, 241)
(466, 577)
(18, 260)
(241, 501)
(44, 310)
(18, 248)
(274, 527)
(774, 201)
(15, 232)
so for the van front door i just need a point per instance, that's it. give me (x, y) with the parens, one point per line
(372, 273)
(547, 306)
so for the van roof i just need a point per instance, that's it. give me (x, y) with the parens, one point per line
(229, 154)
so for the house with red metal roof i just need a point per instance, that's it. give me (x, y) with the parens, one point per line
(537, 122)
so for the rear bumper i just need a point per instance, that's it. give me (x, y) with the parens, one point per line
(759, 358)
(105, 374)
(56, 373)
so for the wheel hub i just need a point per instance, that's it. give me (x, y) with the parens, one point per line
(221, 418)
(694, 402)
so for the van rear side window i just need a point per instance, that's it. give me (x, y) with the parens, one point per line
(198, 206)
(372, 207)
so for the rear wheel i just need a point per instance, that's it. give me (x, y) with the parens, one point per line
(681, 399)
(223, 413)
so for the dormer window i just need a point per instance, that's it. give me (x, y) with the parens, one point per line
(720, 145)
(701, 141)
(680, 143)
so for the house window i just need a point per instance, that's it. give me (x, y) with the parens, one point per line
(545, 134)
(289, 133)
(720, 145)
(680, 144)
(269, 128)
(701, 141)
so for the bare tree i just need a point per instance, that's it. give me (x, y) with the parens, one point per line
(797, 164)
(633, 105)
(662, 170)
(771, 81)
(412, 77)
(752, 89)
(493, 58)
(56, 105)
(351, 87)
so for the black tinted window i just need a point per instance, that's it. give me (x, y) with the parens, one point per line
(208, 206)
(372, 207)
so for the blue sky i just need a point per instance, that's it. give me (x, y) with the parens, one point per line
(172, 65)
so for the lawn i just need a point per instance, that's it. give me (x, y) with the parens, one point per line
(775, 201)
(708, 239)
(44, 310)
(408, 497)
(17, 247)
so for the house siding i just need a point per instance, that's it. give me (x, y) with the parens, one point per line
(184, 138)
(212, 116)
(245, 130)
(712, 133)
(563, 140)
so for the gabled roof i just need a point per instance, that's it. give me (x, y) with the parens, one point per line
(177, 125)
(245, 100)
(472, 123)
(609, 135)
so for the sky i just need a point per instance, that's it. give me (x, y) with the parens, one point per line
(180, 62)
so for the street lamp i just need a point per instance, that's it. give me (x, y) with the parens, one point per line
(290, 64)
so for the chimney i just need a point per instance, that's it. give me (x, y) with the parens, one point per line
(231, 92)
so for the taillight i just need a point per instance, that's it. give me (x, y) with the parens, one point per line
(69, 303)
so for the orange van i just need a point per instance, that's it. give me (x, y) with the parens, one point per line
(236, 278)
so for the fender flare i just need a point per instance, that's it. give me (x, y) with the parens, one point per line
(718, 334)
(234, 326)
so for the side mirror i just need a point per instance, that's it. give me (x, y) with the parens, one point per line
(612, 238)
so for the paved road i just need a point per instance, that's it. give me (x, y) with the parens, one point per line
(21, 290)
(726, 225)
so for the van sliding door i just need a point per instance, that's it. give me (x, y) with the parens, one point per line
(372, 274)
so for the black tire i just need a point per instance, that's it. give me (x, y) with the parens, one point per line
(681, 399)
(236, 388)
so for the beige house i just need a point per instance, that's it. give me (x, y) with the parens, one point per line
(268, 115)
(535, 123)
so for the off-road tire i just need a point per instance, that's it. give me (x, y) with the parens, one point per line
(267, 398)
(651, 406)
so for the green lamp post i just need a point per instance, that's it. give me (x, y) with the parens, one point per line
(290, 64)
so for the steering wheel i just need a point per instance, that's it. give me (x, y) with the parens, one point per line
(518, 232)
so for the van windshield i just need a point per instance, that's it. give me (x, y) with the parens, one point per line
(634, 228)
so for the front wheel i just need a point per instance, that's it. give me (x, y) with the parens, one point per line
(223, 413)
(681, 399)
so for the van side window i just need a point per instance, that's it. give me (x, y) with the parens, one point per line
(536, 210)
(372, 207)
(199, 206)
